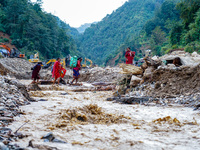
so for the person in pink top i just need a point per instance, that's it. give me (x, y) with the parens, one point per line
(129, 56)
(76, 74)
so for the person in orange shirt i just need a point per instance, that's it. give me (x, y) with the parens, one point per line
(76, 74)
(129, 56)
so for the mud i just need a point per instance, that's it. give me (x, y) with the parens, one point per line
(88, 114)
(85, 120)
(175, 82)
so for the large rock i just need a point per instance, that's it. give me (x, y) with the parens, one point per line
(148, 73)
(135, 81)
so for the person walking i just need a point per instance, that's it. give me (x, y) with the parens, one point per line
(35, 74)
(129, 55)
(56, 71)
(76, 74)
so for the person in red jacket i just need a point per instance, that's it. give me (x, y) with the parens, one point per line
(35, 73)
(56, 71)
(76, 74)
(129, 56)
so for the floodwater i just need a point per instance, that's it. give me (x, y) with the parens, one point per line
(85, 120)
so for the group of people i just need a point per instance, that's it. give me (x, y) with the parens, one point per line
(57, 68)
(56, 71)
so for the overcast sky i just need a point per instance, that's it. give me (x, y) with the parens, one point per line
(78, 12)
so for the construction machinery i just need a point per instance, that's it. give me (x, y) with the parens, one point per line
(85, 63)
(7, 52)
(34, 58)
(51, 61)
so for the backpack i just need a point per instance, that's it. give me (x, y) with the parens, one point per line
(34, 67)
(73, 61)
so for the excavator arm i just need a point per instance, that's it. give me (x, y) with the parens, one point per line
(6, 47)
(85, 65)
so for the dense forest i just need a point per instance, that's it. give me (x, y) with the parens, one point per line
(104, 38)
(176, 24)
(159, 25)
(33, 30)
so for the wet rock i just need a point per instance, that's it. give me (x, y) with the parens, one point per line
(3, 147)
(43, 100)
(6, 119)
(135, 81)
(58, 141)
(63, 93)
(33, 87)
(49, 136)
(130, 100)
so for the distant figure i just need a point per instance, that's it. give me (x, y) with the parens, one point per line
(76, 74)
(129, 56)
(35, 73)
(56, 71)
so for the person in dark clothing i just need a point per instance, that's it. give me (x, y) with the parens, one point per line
(35, 73)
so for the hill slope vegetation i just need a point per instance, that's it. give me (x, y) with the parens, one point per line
(105, 37)
(32, 29)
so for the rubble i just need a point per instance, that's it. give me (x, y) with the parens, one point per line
(165, 79)
(12, 95)
(20, 68)
(99, 74)
(17, 67)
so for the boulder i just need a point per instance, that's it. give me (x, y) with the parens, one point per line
(135, 81)
(148, 73)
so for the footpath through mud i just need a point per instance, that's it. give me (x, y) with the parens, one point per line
(86, 120)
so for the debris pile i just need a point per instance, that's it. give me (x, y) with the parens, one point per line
(12, 95)
(172, 76)
(20, 69)
(85, 115)
(99, 74)
(17, 67)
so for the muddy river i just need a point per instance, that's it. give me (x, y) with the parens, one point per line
(85, 120)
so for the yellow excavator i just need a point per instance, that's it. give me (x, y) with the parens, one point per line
(35, 58)
(51, 61)
(85, 63)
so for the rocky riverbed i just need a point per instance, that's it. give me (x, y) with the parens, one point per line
(86, 120)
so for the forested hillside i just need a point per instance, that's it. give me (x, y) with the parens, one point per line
(186, 33)
(31, 29)
(83, 27)
(154, 34)
(176, 24)
(105, 37)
